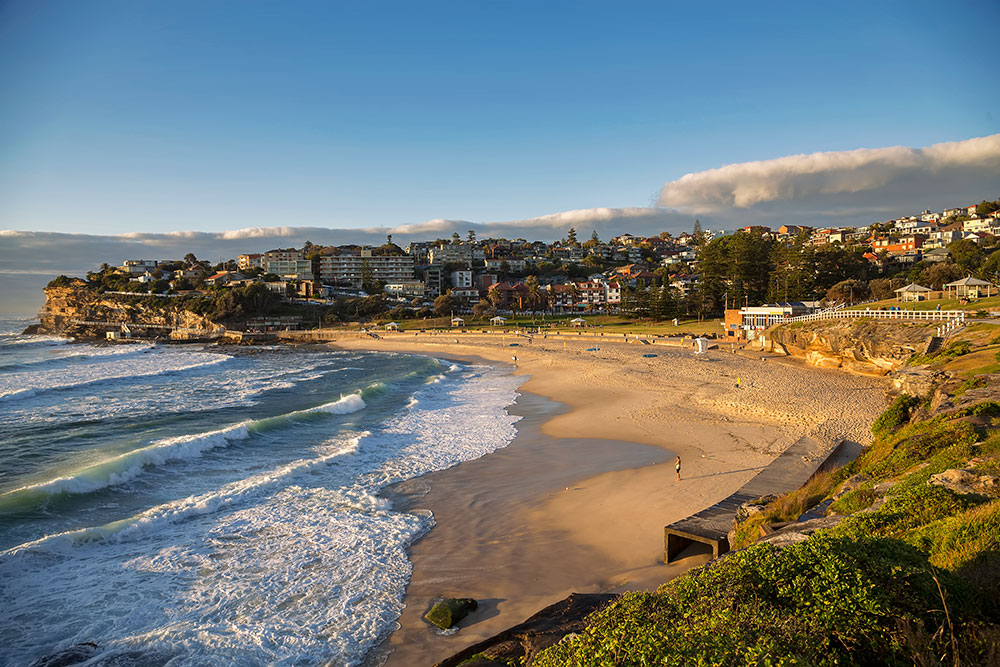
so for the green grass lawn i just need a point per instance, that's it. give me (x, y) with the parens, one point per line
(607, 324)
(988, 304)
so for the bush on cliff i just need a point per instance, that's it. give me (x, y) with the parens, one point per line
(894, 416)
(825, 601)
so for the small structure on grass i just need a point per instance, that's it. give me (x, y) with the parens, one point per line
(912, 292)
(457, 322)
(392, 326)
(498, 321)
(970, 288)
(578, 322)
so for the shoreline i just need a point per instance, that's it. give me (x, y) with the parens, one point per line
(519, 541)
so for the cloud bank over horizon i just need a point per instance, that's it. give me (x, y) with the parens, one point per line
(875, 179)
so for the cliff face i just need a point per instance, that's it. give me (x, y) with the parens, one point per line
(79, 312)
(866, 346)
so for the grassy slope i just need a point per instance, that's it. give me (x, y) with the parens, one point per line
(908, 577)
(987, 304)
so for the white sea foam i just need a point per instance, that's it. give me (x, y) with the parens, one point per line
(300, 564)
(18, 339)
(146, 363)
(206, 503)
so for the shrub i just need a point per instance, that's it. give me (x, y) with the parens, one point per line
(824, 601)
(894, 416)
(854, 501)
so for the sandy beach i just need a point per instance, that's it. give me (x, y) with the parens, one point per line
(578, 502)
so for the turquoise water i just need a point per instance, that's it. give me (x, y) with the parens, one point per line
(184, 505)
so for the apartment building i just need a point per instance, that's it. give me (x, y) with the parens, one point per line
(349, 267)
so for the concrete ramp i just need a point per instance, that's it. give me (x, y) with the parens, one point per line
(789, 471)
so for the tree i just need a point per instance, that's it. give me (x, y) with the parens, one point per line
(455, 238)
(445, 304)
(938, 274)
(535, 297)
(966, 254)
(472, 236)
(482, 308)
(368, 283)
(884, 288)
(190, 258)
(388, 239)
(495, 296)
(847, 291)
(984, 208)
(571, 238)
(698, 233)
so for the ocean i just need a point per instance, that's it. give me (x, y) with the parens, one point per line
(181, 505)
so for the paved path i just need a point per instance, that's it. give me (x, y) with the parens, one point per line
(711, 525)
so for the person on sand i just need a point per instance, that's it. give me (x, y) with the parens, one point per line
(677, 467)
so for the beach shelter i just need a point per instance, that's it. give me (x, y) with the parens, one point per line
(970, 288)
(498, 321)
(578, 322)
(392, 326)
(912, 292)
(457, 322)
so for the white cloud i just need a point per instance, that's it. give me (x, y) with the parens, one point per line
(894, 172)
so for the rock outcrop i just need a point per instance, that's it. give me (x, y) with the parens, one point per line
(861, 346)
(967, 482)
(80, 312)
(521, 643)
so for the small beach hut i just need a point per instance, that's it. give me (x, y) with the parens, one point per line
(457, 322)
(578, 322)
(969, 288)
(498, 321)
(392, 326)
(912, 292)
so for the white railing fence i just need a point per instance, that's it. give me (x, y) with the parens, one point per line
(949, 327)
(882, 314)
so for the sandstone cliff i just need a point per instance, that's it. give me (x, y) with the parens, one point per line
(861, 346)
(77, 311)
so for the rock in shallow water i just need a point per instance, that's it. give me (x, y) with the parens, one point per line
(448, 612)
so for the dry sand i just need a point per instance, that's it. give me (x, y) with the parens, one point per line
(578, 502)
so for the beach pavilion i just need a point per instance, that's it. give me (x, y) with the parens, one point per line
(912, 292)
(498, 321)
(457, 322)
(392, 326)
(970, 288)
(578, 322)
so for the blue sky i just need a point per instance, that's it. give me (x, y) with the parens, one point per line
(141, 116)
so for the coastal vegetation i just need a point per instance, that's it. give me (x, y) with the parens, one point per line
(898, 568)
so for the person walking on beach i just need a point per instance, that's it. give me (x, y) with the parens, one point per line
(677, 467)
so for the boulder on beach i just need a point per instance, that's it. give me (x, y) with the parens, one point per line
(448, 612)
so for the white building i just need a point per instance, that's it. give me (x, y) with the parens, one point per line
(461, 279)
(349, 267)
